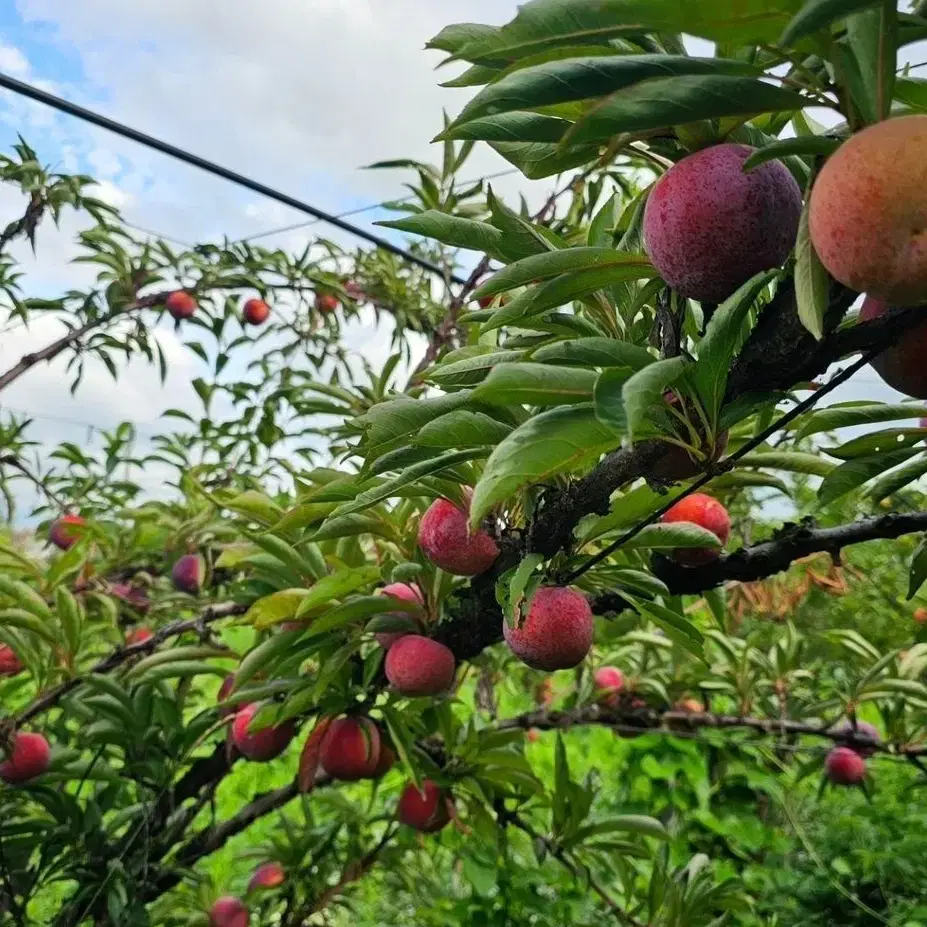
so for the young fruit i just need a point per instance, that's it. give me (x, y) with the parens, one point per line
(351, 749)
(405, 592)
(709, 226)
(255, 312)
(864, 728)
(229, 912)
(180, 305)
(920, 615)
(844, 766)
(269, 875)
(424, 810)
(903, 366)
(28, 759)
(690, 705)
(417, 665)
(10, 664)
(131, 595)
(261, 746)
(62, 532)
(138, 636)
(707, 513)
(189, 574)
(533, 735)
(609, 681)
(325, 303)
(445, 538)
(557, 633)
(868, 211)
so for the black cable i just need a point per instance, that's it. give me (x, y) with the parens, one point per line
(72, 109)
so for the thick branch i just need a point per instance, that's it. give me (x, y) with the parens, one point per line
(122, 654)
(790, 543)
(636, 719)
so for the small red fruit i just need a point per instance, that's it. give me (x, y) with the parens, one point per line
(351, 749)
(445, 538)
(261, 746)
(903, 366)
(557, 633)
(920, 615)
(405, 592)
(229, 911)
(691, 706)
(609, 681)
(10, 664)
(325, 303)
(62, 532)
(844, 766)
(425, 811)
(417, 665)
(180, 305)
(533, 735)
(138, 636)
(28, 759)
(269, 875)
(189, 574)
(707, 513)
(255, 312)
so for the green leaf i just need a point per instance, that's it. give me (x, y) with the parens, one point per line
(553, 263)
(623, 823)
(583, 78)
(537, 160)
(274, 608)
(462, 429)
(872, 38)
(912, 92)
(450, 230)
(337, 585)
(878, 442)
(918, 571)
(858, 413)
(891, 482)
(818, 14)
(542, 24)
(792, 461)
(656, 104)
(672, 535)
(854, 473)
(594, 352)
(723, 336)
(642, 390)
(810, 145)
(454, 37)
(520, 239)
(390, 487)
(811, 280)
(275, 647)
(536, 384)
(358, 609)
(256, 506)
(469, 370)
(554, 442)
(679, 629)
(514, 587)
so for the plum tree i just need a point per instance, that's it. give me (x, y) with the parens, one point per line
(189, 573)
(709, 226)
(902, 365)
(868, 211)
(447, 541)
(267, 875)
(424, 809)
(326, 303)
(351, 749)
(557, 631)
(138, 636)
(844, 766)
(255, 312)
(10, 664)
(65, 532)
(229, 911)
(405, 592)
(609, 682)
(180, 304)
(417, 665)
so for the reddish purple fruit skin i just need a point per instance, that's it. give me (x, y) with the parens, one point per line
(709, 227)
(425, 811)
(10, 664)
(29, 759)
(844, 766)
(557, 633)
(255, 312)
(864, 728)
(180, 305)
(405, 592)
(188, 574)
(229, 911)
(351, 749)
(269, 875)
(417, 665)
(260, 746)
(903, 366)
(700, 509)
(446, 540)
(62, 534)
(609, 680)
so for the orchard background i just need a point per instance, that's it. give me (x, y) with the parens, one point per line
(590, 602)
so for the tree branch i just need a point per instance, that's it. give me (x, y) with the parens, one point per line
(122, 654)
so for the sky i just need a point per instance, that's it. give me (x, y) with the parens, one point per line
(300, 94)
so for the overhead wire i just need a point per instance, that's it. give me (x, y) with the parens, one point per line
(149, 141)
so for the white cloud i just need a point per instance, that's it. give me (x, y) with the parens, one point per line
(13, 61)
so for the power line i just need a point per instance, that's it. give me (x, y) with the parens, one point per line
(369, 207)
(149, 141)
